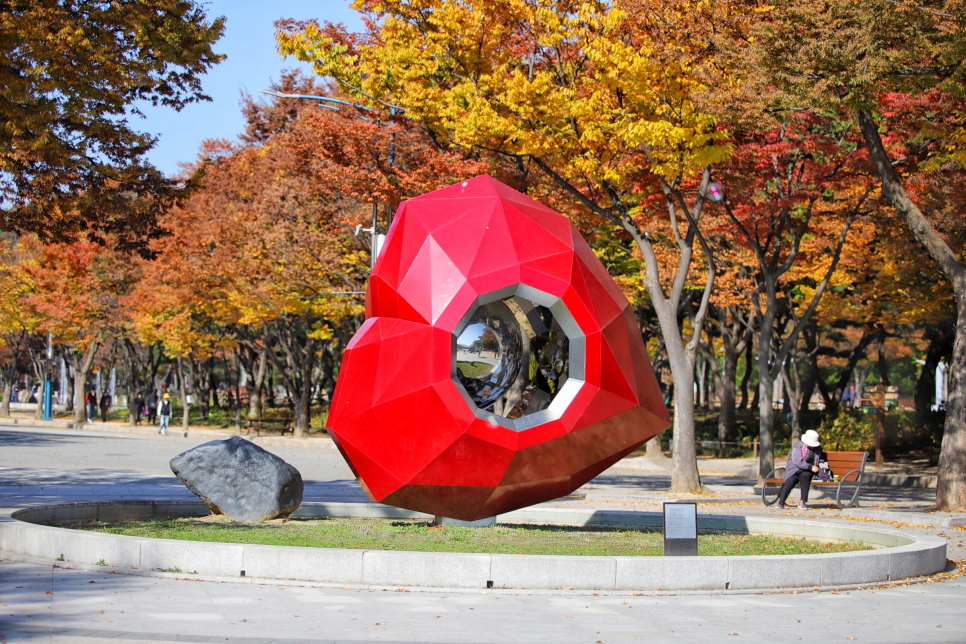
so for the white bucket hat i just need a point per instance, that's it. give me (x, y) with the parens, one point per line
(810, 438)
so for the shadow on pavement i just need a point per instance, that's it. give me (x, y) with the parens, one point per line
(33, 439)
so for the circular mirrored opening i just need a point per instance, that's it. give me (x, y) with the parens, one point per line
(512, 357)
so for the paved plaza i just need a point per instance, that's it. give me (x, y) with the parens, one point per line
(43, 603)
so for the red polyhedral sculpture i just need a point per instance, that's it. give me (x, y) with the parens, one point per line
(499, 365)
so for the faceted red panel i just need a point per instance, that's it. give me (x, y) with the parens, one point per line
(399, 417)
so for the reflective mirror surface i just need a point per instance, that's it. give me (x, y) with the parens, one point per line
(489, 353)
(512, 357)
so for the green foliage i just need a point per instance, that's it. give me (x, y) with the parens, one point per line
(849, 431)
(73, 71)
(854, 430)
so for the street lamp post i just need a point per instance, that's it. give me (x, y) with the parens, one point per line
(48, 385)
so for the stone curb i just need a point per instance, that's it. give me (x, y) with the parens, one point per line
(881, 479)
(554, 592)
(932, 519)
(903, 555)
(193, 432)
(658, 499)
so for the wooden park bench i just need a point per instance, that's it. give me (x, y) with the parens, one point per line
(259, 425)
(848, 466)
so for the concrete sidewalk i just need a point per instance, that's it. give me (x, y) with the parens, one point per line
(45, 604)
(42, 603)
(316, 441)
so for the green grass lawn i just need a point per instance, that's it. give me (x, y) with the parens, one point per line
(419, 535)
(474, 369)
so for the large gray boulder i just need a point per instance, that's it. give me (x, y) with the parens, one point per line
(238, 478)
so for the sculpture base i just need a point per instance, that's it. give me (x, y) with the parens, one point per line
(482, 523)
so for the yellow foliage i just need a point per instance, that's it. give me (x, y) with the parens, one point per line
(583, 84)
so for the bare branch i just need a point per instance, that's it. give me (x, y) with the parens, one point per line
(792, 338)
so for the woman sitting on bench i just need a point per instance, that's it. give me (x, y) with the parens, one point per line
(802, 465)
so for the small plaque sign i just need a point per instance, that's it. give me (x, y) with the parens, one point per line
(680, 529)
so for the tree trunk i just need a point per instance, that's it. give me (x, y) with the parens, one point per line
(300, 388)
(684, 475)
(766, 420)
(237, 397)
(133, 379)
(715, 372)
(681, 355)
(199, 377)
(793, 391)
(746, 377)
(726, 415)
(684, 470)
(80, 387)
(7, 392)
(9, 374)
(183, 386)
(303, 399)
(735, 338)
(808, 386)
(255, 402)
(252, 357)
(701, 373)
(766, 379)
(654, 452)
(256, 375)
(81, 364)
(298, 348)
(951, 484)
(67, 384)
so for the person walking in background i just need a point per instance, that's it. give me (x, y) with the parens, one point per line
(848, 396)
(164, 413)
(151, 405)
(802, 465)
(105, 407)
(138, 408)
(91, 402)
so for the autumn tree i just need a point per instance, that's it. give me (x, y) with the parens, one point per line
(594, 95)
(17, 323)
(73, 71)
(187, 300)
(76, 299)
(793, 194)
(736, 328)
(848, 57)
(884, 294)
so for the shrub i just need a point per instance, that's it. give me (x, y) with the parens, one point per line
(851, 430)
(854, 430)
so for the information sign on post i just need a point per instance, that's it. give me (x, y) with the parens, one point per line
(680, 529)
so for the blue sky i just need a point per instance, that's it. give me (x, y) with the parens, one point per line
(249, 43)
